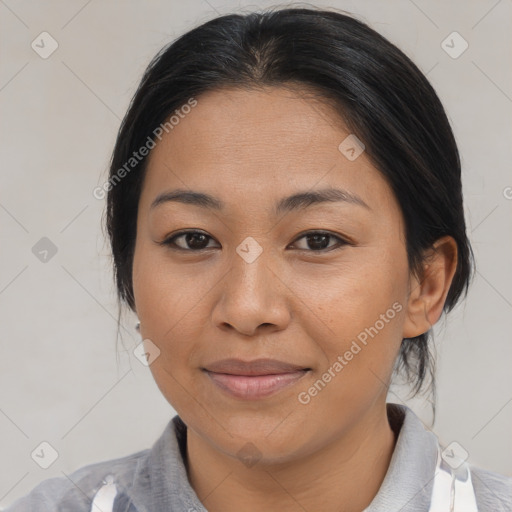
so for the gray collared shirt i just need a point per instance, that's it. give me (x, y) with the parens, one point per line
(155, 479)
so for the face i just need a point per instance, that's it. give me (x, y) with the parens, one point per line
(319, 286)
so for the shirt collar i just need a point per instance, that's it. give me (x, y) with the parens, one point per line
(407, 485)
(161, 481)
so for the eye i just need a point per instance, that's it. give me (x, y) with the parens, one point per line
(193, 241)
(319, 241)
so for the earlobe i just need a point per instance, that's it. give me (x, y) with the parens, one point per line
(427, 294)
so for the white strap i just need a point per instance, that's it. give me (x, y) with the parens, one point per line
(104, 499)
(453, 489)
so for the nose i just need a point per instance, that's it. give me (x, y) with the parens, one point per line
(253, 297)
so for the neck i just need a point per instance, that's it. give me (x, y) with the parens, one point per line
(343, 476)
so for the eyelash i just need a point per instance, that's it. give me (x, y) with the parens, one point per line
(169, 242)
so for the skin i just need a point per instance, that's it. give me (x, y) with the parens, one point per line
(295, 303)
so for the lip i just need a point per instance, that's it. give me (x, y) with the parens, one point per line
(255, 367)
(253, 380)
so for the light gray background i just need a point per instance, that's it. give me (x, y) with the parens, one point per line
(61, 379)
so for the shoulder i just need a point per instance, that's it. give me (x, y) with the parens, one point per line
(493, 491)
(75, 492)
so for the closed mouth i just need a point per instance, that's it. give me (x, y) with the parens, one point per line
(256, 379)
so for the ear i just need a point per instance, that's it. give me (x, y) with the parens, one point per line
(427, 293)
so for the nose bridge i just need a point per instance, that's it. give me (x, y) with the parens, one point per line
(252, 294)
(251, 275)
(250, 269)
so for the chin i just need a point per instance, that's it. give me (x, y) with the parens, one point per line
(269, 440)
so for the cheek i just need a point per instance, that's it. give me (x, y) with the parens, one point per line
(354, 295)
(164, 292)
(361, 316)
(170, 302)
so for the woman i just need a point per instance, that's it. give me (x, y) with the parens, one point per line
(286, 219)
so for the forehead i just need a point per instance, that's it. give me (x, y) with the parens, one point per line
(232, 124)
(240, 145)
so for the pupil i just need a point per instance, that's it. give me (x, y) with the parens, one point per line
(192, 236)
(316, 239)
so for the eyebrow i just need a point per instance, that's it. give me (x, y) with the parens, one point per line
(298, 201)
